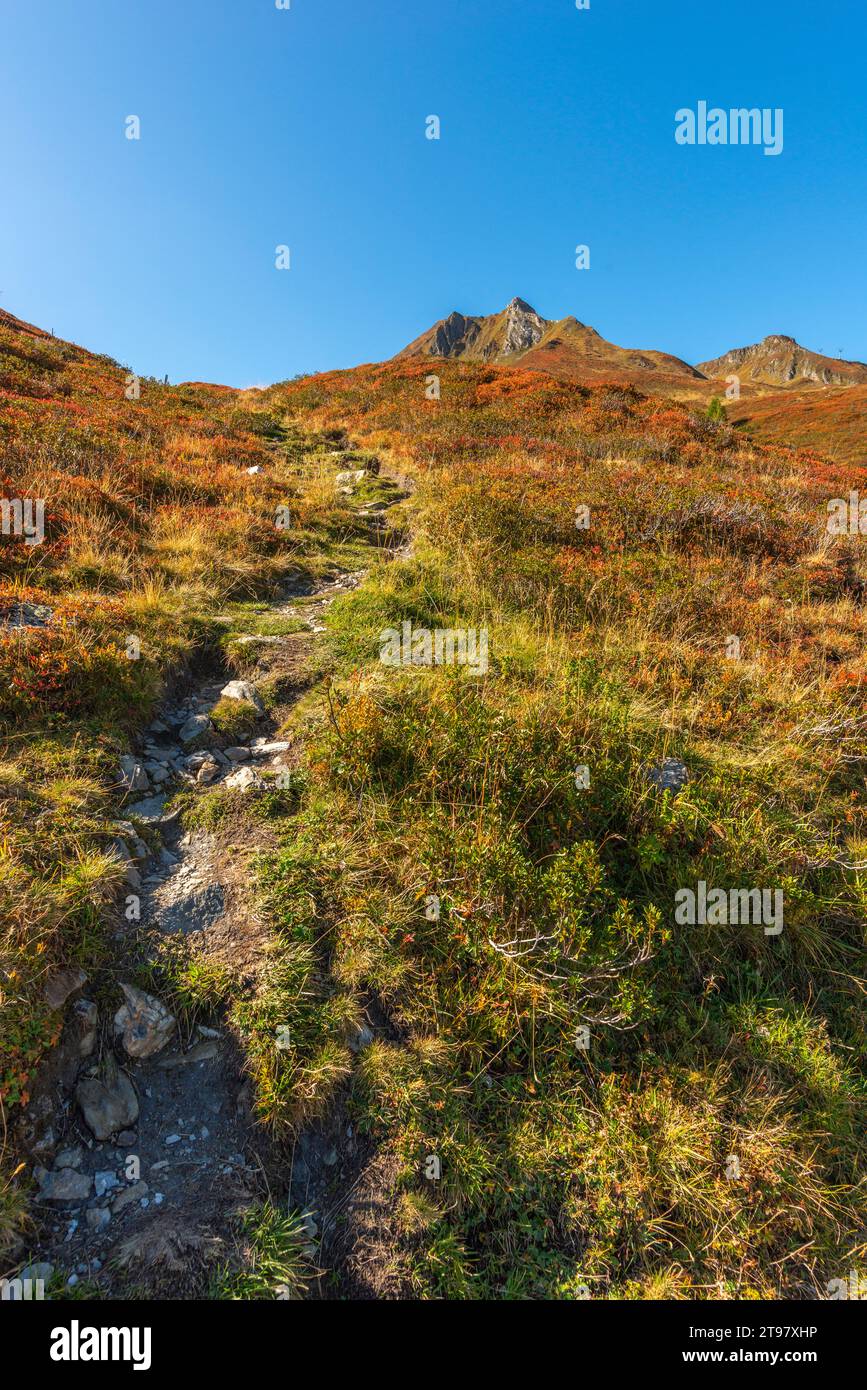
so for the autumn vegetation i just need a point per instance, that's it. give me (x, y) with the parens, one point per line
(566, 1170)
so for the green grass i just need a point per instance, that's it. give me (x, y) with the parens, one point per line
(274, 1255)
(569, 1172)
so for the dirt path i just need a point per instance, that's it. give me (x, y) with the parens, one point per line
(155, 1150)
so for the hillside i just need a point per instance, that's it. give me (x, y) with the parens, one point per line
(831, 421)
(563, 348)
(422, 962)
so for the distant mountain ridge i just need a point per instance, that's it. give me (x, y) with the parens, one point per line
(518, 335)
(566, 348)
(779, 360)
(573, 351)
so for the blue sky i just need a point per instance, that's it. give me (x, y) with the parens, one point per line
(306, 127)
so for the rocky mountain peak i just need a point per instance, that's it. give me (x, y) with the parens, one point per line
(523, 327)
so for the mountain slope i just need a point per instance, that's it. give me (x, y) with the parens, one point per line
(9, 321)
(446, 903)
(563, 347)
(832, 422)
(781, 361)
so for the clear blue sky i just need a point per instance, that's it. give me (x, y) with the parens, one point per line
(306, 127)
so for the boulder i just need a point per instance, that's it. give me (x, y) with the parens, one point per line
(108, 1102)
(64, 1185)
(133, 776)
(63, 983)
(145, 1023)
(243, 690)
(243, 780)
(263, 749)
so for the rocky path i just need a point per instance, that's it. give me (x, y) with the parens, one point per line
(151, 1150)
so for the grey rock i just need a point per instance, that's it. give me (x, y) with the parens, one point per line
(69, 1157)
(126, 1139)
(104, 1182)
(132, 775)
(98, 1218)
(145, 1023)
(150, 810)
(670, 775)
(44, 1144)
(28, 615)
(195, 727)
(237, 755)
(264, 749)
(243, 690)
(243, 780)
(194, 911)
(129, 1195)
(84, 1019)
(119, 849)
(65, 1185)
(63, 983)
(201, 1052)
(108, 1102)
(159, 755)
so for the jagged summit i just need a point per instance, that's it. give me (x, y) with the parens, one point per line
(564, 347)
